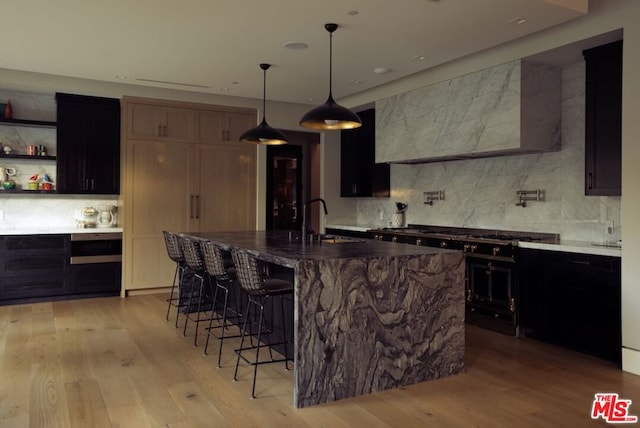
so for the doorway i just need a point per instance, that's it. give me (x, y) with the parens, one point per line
(284, 187)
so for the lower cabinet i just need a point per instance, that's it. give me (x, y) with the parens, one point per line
(37, 268)
(572, 300)
(33, 266)
(96, 278)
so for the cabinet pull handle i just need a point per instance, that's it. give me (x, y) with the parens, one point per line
(164, 131)
(197, 206)
(159, 130)
(86, 184)
(590, 181)
(93, 184)
(354, 188)
(191, 208)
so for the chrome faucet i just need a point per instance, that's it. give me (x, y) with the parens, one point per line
(305, 229)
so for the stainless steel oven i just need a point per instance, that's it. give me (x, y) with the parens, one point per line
(100, 247)
(96, 263)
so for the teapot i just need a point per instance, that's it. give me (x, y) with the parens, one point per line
(107, 216)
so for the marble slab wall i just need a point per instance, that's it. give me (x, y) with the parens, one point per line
(509, 107)
(482, 192)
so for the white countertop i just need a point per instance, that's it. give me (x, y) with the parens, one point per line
(353, 228)
(57, 230)
(575, 247)
(565, 246)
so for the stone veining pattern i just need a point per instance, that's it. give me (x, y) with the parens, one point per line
(367, 325)
(369, 315)
(482, 192)
(492, 110)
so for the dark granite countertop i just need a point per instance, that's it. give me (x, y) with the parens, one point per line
(276, 247)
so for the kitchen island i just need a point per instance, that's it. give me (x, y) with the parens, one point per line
(368, 315)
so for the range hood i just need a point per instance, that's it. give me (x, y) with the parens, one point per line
(509, 109)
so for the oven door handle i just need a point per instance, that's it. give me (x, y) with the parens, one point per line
(85, 260)
(488, 257)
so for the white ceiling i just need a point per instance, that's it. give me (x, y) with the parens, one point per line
(215, 46)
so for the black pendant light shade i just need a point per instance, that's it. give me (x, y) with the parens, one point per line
(330, 115)
(263, 133)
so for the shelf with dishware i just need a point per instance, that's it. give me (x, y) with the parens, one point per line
(27, 157)
(28, 122)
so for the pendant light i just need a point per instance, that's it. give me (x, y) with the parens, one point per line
(330, 115)
(263, 133)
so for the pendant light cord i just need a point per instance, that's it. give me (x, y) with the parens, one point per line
(330, 63)
(264, 94)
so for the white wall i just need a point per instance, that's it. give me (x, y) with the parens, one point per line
(604, 16)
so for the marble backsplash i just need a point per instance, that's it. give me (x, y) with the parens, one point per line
(482, 192)
(19, 211)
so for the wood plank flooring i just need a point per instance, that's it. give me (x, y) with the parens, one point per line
(115, 362)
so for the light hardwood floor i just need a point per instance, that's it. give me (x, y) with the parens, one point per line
(115, 362)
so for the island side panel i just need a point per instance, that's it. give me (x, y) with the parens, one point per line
(370, 324)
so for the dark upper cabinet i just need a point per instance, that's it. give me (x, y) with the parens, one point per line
(88, 145)
(603, 119)
(360, 176)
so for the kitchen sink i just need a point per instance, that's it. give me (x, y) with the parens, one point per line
(335, 239)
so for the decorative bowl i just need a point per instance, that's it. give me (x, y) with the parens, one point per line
(9, 185)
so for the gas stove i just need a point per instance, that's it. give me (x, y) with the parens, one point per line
(492, 293)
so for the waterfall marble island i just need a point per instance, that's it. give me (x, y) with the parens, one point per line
(368, 315)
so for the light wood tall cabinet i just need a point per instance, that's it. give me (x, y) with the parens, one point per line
(204, 184)
(214, 127)
(147, 121)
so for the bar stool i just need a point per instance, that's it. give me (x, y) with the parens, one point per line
(174, 251)
(195, 263)
(222, 276)
(259, 289)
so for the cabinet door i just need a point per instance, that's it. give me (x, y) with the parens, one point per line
(360, 175)
(237, 124)
(72, 134)
(103, 278)
(227, 187)
(33, 266)
(603, 120)
(573, 300)
(158, 197)
(144, 121)
(222, 127)
(178, 123)
(103, 149)
(209, 126)
(152, 122)
(88, 140)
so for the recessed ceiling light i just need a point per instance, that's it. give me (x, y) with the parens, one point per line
(355, 82)
(235, 83)
(517, 20)
(224, 89)
(381, 70)
(296, 46)
(121, 77)
(353, 12)
(418, 58)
